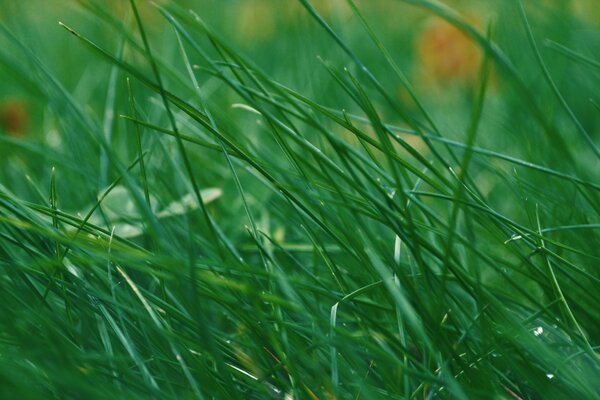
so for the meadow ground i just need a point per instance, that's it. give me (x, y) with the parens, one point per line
(349, 199)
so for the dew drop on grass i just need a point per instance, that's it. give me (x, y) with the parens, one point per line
(538, 331)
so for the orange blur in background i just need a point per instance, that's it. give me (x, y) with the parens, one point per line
(14, 118)
(445, 54)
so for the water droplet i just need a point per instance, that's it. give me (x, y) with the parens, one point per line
(538, 331)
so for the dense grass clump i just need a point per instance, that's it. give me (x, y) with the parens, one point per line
(353, 199)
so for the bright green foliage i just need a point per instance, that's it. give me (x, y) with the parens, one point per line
(300, 199)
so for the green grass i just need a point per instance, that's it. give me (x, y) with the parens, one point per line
(273, 199)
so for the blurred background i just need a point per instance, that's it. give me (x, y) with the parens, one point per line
(439, 60)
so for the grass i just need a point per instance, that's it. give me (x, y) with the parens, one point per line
(313, 199)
